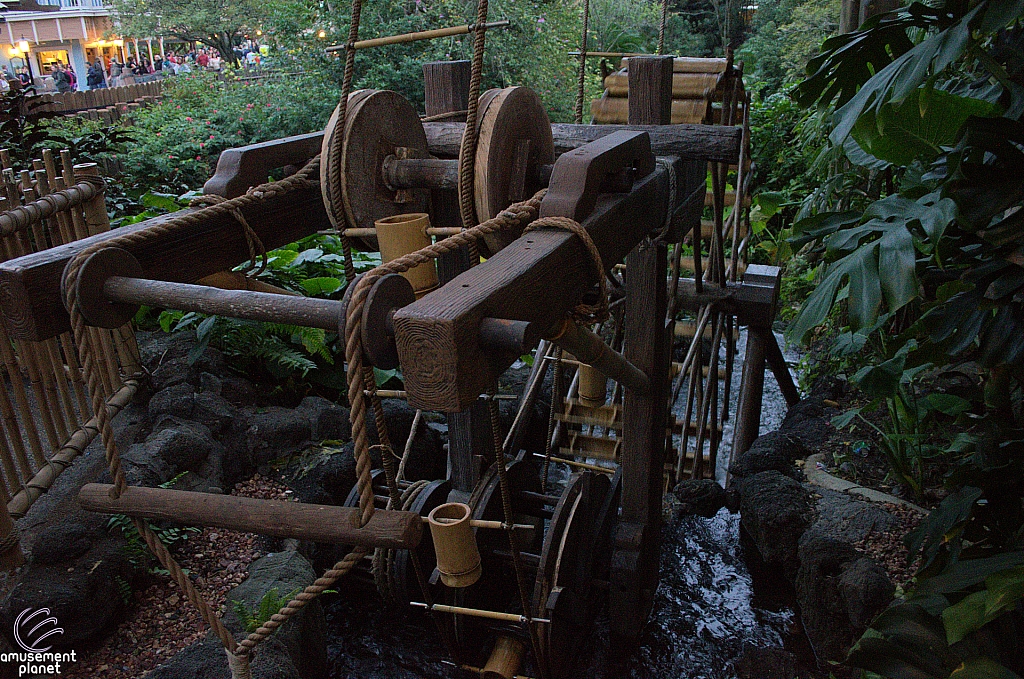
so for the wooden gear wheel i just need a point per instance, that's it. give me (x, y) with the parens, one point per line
(514, 139)
(377, 124)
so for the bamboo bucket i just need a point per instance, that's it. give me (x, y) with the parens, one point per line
(458, 559)
(401, 234)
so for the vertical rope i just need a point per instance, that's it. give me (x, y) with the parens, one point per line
(467, 150)
(335, 179)
(661, 28)
(581, 76)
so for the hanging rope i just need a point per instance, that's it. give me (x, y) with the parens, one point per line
(333, 198)
(661, 28)
(252, 239)
(581, 76)
(467, 150)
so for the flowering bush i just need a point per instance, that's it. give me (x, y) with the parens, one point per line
(178, 141)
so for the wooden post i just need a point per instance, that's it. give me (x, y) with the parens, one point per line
(650, 90)
(446, 90)
(470, 439)
(748, 408)
(637, 536)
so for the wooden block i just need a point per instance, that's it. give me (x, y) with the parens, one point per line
(277, 518)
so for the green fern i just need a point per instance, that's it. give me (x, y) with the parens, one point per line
(270, 604)
(124, 589)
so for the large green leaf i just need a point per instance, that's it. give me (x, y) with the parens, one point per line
(917, 127)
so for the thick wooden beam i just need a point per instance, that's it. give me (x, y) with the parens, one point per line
(277, 518)
(30, 286)
(715, 143)
(537, 279)
(238, 169)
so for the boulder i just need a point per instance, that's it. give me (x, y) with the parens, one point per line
(207, 660)
(177, 400)
(304, 636)
(276, 432)
(327, 421)
(774, 451)
(775, 511)
(810, 422)
(324, 479)
(703, 497)
(86, 591)
(841, 517)
(756, 662)
(839, 592)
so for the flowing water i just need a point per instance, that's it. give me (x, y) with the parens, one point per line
(708, 608)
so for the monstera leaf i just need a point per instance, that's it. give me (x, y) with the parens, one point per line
(918, 127)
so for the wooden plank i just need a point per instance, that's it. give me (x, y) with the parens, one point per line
(715, 143)
(30, 286)
(238, 169)
(277, 518)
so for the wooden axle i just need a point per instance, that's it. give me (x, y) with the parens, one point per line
(417, 36)
(478, 613)
(318, 523)
(439, 231)
(482, 523)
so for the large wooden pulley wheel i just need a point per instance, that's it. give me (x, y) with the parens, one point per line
(378, 124)
(514, 141)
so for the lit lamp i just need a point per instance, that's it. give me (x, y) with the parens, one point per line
(23, 47)
(321, 34)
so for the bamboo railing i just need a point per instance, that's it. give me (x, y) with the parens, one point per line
(45, 417)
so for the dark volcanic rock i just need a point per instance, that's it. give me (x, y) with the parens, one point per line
(839, 592)
(765, 663)
(841, 517)
(275, 433)
(304, 637)
(327, 421)
(809, 422)
(775, 451)
(775, 511)
(325, 479)
(86, 592)
(207, 660)
(703, 497)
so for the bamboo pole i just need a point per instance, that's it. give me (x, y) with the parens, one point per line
(418, 35)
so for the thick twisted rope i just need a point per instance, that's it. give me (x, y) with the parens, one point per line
(252, 239)
(467, 150)
(332, 194)
(581, 76)
(661, 28)
(87, 352)
(584, 314)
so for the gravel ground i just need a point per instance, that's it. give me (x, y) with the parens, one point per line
(888, 549)
(161, 621)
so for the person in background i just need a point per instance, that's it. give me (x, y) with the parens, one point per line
(61, 79)
(24, 77)
(115, 72)
(158, 63)
(203, 59)
(96, 78)
(215, 62)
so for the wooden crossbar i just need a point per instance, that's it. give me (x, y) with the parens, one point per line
(318, 523)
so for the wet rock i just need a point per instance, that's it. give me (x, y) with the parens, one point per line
(775, 451)
(304, 637)
(765, 663)
(275, 433)
(841, 517)
(775, 511)
(839, 592)
(327, 421)
(703, 497)
(86, 593)
(206, 660)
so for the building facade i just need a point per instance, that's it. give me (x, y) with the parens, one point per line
(74, 32)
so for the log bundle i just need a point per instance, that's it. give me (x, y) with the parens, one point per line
(698, 89)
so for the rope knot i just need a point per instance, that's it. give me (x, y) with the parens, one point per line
(583, 314)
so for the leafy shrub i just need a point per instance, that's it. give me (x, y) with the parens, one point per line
(270, 604)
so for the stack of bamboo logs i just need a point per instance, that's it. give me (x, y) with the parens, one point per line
(697, 83)
(46, 420)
